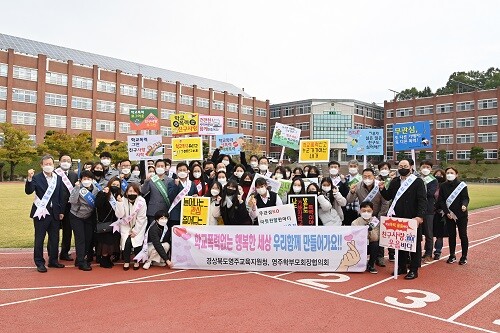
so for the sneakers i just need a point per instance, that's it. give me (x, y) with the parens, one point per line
(391, 257)
(451, 260)
(159, 264)
(427, 259)
(380, 262)
(372, 269)
(437, 256)
(146, 265)
(463, 261)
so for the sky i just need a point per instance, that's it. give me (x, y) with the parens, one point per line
(279, 50)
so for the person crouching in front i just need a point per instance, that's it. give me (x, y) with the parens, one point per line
(366, 218)
(158, 245)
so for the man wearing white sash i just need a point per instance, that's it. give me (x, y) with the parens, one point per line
(157, 186)
(351, 210)
(47, 211)
(409, 201)
(453, 200)
(69, 178)
(337, 178)
(431, 184)
(177, 190)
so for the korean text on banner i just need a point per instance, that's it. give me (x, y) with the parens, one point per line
(144, 147)
(187, 149)
(144, 119)
(184, 123)
(306, 208)
(278, 215)
(398, 233)
(410, 136)
(286, 136)
(195, 210)
(314, 151)
(229, 144)
(365, 142)
(211, 125)
(277, 248)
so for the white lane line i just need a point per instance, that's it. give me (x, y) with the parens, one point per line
(283, 274)
(473, 303)
(485, 209)
(85, 289)
(125, 282)
(485, 221)
(377, 303)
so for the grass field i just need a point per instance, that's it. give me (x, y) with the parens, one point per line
(16, 228)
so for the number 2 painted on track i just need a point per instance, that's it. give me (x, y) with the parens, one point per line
(317, 282)
(416, 302)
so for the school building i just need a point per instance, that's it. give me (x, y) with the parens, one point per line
(458, 122)
(47, 87)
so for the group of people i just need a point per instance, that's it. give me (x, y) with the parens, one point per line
(126, 213)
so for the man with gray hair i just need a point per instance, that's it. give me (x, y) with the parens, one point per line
(351, 210)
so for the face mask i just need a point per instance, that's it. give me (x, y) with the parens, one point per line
(214, 192)
(247, 183)
(313, 175)
(238, 174)
(98, 173)
(254, 164)
(326, 188)
(182, 174)
(223, 181)
(65, 165)
(306, 173)
(451, 176)
(366, 215)
(279, 176)
(440, 179)
(126, 171)
(297, 189)
(86, 183)
(106, 162)
(334, 171)
(368, 182)
(384, 173)
(225, 162)
(136, 173)
(230, 191)
(163, 221)
(115, 189)
(132, 197)
(160, 171)
(425, 171)
(353, 171)
(221, 169)
(48, 168)
(197, 175)
(208, 172)
(262, 190)
(404, 172)
(263, 167)
(288, 174)
(312, 192)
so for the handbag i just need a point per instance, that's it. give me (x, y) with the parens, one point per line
(103, 227)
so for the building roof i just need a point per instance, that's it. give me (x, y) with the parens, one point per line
(60, 53)
(326, 100)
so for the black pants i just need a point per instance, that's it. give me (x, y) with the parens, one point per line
(66, 234)
(428, 226)
(373, 252)
(461, 223)
(50, 226)
(381, 252)
(84, 230)
(415, 257)
(127, 250)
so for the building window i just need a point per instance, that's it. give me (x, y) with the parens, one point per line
(444, 108)
(406, 112)
(246, 124)
(81, 103)
(246, 110)
(303, 109)
(52, 120)
(465, 122)
(261, 112)
(449, 155)
(25, 96)
(248, 138)
(490, 154)
(446, 123)
(127, 90)
(125, 128)
(125, 108)
(166, 131)
(287, 111)
(444, 139)
(275, 113)
(465, 106)
(487, 137)
(149, 94)
(390, 113)
(463, 154)
(465, 138)
(25, 73)
(423, 110)
(358, 126)
(56, 100)
(379, 114)
(3, 93)
(82, 82)
(260, 140)
(4, 69)
(3, 116)
(186, 100)
(485, 120)
(56, 78)
(487, 104)
(105, 86)
(166, 113)
(232, 122)
(106, 106)
(218, 105)
(104, 125)
(23, 118)
(260, 126)
(303, 126)
(81, 123)
(167, 96)
(231, 107)
(202, 102)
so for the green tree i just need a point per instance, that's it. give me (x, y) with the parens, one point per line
(117, 149)
(422, 155)
(17, 147)
(443, 157)
(401, 155)
(206, 149)
(77, 146)
(292, 154)
(476, 154)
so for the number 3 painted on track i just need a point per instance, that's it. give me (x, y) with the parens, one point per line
(317, 282)
(416, 302)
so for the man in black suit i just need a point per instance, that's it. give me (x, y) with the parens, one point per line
(69, 178)
(47, 211)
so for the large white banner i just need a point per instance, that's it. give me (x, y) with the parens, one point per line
(211, 125)
(398, 233)
(252, 248)
(144, 147)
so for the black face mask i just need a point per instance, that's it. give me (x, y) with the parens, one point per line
(246, 183)
(404, 172)
(312, 192)
(208, 172)
(115, 189)
(440, 179)
(230, 191)
(98, 173)
(312, 175)
(132, 197)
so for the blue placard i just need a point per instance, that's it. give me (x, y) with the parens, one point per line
(410, 136)
(229, 144)
(365, 141)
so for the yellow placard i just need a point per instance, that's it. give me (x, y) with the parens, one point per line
(184, 123)
(195, 210)
(187, 149)
(314, 151)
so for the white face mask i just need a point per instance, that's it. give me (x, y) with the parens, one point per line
(197, 175)
(86, 183)
(366, 215)
(126, 171)
(214, 192)
(425, 171)
(221, 169)
(262, 190)
(106, 162)
(238, 174)
(65, 165)
(225, 162)
(326, 188)
(279, 176)
(384, 173)
(254, 164)
(136, 173)
(182, 174)
(48, 168)
(368, 182)
(451, 176)
(160, 171)
(297, 189)
(353, 171)
(334, 171)
(223, 181)
(263, 167)
(163, 221)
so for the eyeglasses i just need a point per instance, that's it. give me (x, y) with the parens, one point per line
(404, 167)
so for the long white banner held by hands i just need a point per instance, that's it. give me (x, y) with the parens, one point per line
(251, 248)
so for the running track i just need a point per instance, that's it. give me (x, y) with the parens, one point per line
(445, 298)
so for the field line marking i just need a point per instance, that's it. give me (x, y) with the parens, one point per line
(474, 302)
(485, 221)
(283, 274)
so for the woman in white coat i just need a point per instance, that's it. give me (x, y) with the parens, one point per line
(214, 193)
(132, 212)
(330, 203)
